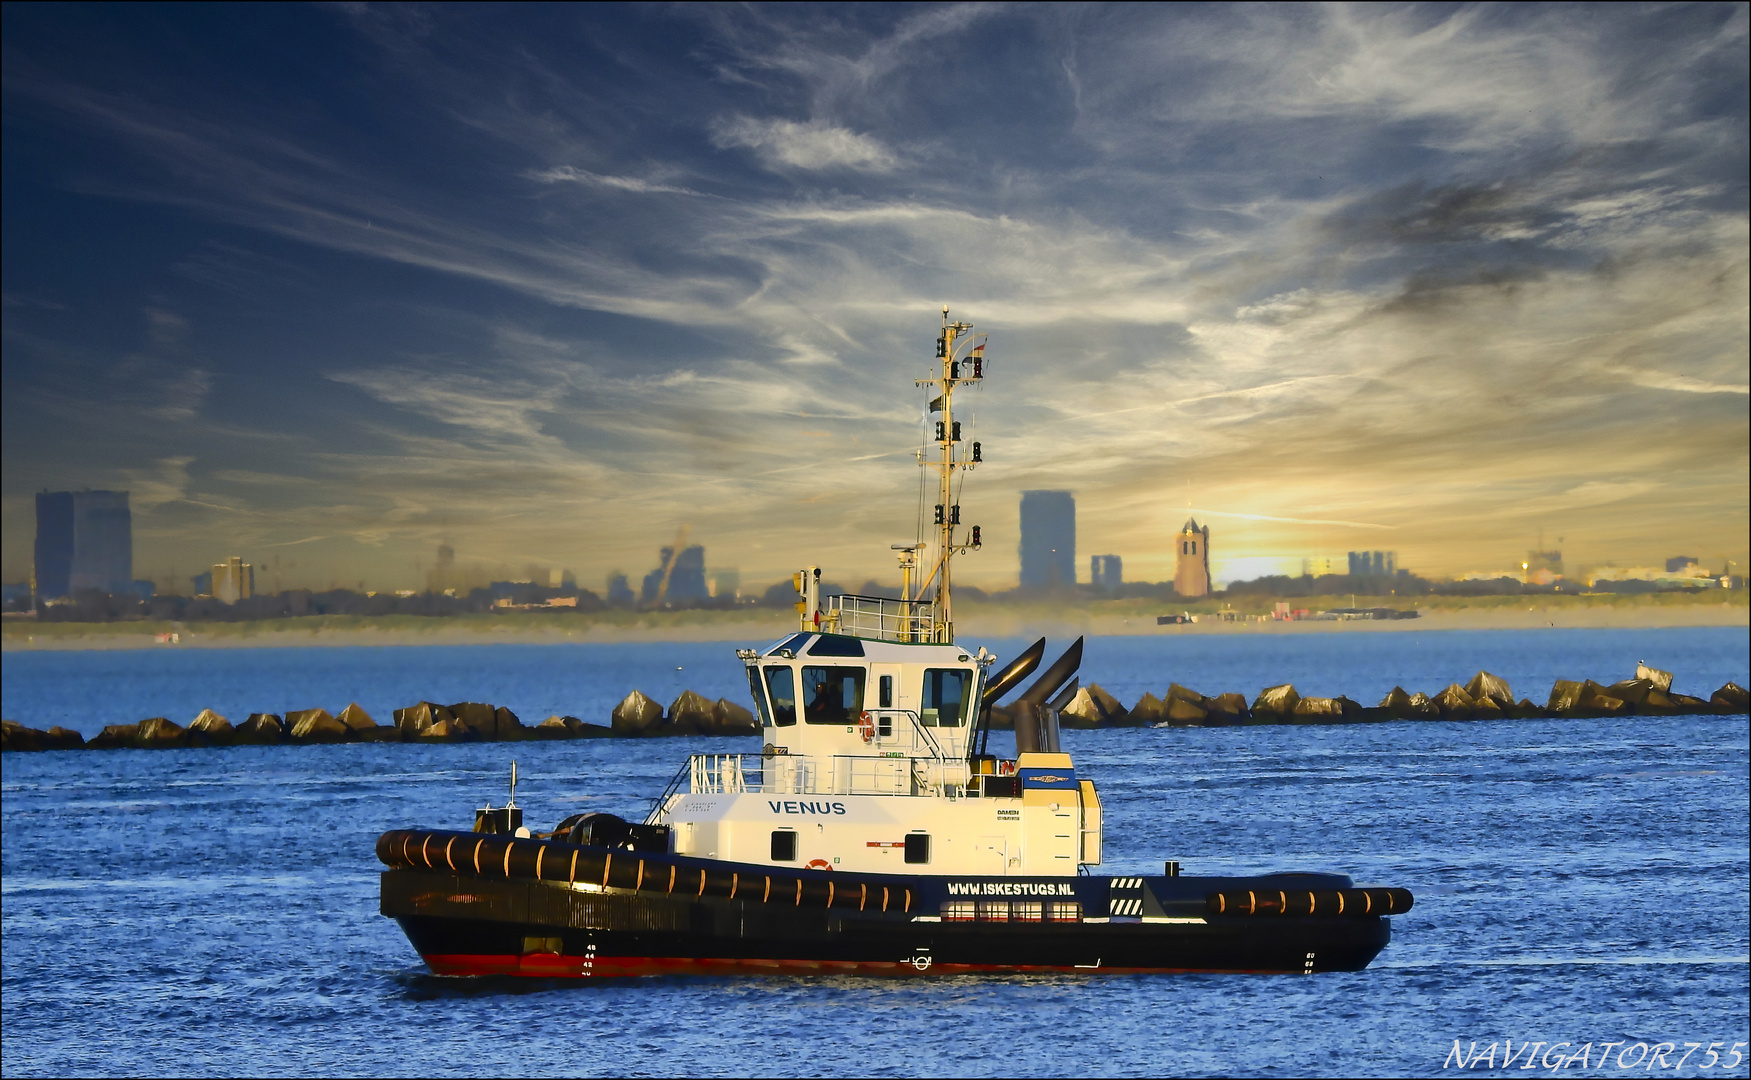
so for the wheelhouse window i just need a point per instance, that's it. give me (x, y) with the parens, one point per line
(947, 694)
(793, 644)
(836, 645)
(781, 681)
(783, 845)
(831, 695)
(759, 693)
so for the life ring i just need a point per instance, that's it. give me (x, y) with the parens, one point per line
(866, 726)
(820, 864)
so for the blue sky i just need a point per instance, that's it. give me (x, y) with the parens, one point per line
(328, 286)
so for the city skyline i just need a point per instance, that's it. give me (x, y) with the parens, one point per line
(83, 540)
(330, 287)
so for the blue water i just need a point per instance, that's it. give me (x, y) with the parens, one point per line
(214, 911)
(86, 690)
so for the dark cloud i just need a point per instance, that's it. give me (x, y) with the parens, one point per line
(1416, 213)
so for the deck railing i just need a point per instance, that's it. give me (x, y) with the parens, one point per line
(849, 774)
(880, 618)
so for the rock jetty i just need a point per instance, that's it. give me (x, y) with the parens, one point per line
(1484, 697)
(638, 715)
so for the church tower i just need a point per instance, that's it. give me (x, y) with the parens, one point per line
(1192, 572)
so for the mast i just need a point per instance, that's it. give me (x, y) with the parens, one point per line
(955, 370)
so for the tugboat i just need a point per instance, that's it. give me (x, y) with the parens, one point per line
(873, 833)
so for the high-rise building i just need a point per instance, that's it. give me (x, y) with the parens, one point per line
(103, 542)
(687, 583)
(1191, 575)
(84, 540)
(1048, 539)
(725, 582)
(233, 580)
(443, 577)
(53, 575)
(686, 577)
(1542, 567)
(1106, 571)
(619, 591)
(1373, 563)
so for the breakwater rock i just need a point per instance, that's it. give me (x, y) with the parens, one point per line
(1484, 697)
(638, 716)
(261, 729)
(18, 737)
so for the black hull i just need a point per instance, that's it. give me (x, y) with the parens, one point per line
(489, 922)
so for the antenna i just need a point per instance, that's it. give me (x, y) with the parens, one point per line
(512, 801)
(955, 370)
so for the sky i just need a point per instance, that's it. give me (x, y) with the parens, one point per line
(329, 286)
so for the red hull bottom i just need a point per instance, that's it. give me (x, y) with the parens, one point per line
(551, 966)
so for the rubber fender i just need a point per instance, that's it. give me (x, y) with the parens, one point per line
(1354, 903)
(523, 857)
(496, 856)
(386, 849)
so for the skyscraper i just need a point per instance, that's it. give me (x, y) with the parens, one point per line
(619, 590)
(1106, 571)
(1373, 563)
(443, 575)
(84, 540)
(54, 544)
(724, 582)
(233, 580)
(1048, 539)
(687, 583)
(678, 579)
